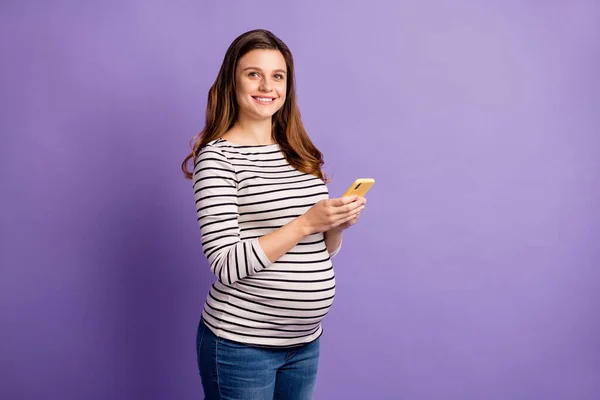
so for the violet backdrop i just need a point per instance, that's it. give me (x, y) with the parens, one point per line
(472, 274)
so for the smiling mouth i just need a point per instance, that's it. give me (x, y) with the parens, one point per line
(263, 99)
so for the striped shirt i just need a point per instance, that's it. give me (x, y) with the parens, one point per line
(243, 193)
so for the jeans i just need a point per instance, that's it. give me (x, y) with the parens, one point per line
(235, 371)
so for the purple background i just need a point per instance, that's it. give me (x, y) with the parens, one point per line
(473, 273)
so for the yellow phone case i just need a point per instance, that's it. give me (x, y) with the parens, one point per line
(360, 187)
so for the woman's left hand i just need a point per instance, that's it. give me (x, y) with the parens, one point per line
(349, 223)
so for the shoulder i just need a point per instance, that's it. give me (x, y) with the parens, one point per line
(212, 157)
(213, 151)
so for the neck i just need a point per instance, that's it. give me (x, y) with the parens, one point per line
(252, 132)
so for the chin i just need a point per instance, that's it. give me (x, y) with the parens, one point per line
(264, 114)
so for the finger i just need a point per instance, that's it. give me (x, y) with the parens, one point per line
(342, 201)
(350, 208)
(351, 221)
(357, 210)
(343, 219)
(347, 215)
(340, 219)
(354, 219)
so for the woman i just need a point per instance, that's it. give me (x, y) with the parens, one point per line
(269, 229)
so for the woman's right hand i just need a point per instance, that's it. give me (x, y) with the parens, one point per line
(330, 213)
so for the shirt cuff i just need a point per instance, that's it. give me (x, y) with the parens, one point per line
(262, 260)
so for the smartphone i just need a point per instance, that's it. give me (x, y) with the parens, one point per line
(360, 187)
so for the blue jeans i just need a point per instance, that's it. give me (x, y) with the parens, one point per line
(236, 371)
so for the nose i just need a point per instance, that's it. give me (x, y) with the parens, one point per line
(265, 85)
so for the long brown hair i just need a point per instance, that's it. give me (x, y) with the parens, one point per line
(222, 108)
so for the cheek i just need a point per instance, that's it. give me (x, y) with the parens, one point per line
(239, 96)
(241, 90)
(245, 88)
(282, 90)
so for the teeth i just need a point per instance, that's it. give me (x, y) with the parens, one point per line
(263, 99)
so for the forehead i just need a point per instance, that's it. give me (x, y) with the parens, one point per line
(263, 59)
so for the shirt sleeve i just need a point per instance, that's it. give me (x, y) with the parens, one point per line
(215, 193)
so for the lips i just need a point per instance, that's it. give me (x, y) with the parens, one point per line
(263, 99)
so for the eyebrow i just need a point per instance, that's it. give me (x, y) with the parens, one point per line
(258, 69)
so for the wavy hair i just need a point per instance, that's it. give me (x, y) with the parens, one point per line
(222, 108)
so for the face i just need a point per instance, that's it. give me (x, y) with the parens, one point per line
(261, 79)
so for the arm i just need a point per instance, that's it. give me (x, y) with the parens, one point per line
(333, 241)
(333, 237)
(229, 257)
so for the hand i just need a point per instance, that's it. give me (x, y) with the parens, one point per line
(352, 221)
(333, 214)
(346, 225)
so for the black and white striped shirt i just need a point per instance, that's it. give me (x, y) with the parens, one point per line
(243, 193)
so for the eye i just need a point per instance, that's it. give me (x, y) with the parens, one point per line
(253, 74)
(279, 76)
